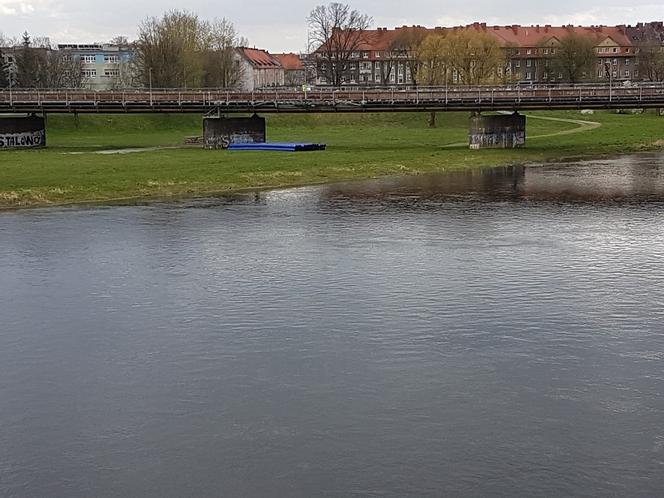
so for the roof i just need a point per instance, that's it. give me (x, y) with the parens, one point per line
(259, 58)
(534, 36)
(515, 35)
(290, 62)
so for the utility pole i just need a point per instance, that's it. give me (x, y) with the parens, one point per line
(150, 77)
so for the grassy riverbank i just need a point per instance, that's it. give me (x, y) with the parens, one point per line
(72, 169)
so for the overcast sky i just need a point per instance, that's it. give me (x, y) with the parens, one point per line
(281, 25)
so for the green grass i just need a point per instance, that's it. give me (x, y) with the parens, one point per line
(359, 146)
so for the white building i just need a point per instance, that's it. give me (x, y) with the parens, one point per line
(259, 69)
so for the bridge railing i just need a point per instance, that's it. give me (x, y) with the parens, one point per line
(514, 94)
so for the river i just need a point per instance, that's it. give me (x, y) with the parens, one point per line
(497, 332)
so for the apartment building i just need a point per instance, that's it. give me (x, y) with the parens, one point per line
(104, 66)
(529, 51)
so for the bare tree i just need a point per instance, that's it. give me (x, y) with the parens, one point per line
(651, 60)
(406, 45)
(59, 70)
(121, 41)
(222, 67)
(339, 31)
(574, 57)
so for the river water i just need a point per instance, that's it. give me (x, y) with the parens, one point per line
(487, 333)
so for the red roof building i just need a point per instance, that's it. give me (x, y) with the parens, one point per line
(259, 69)
(377, 61)
(294, 69)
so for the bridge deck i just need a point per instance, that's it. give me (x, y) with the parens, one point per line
(334, 100)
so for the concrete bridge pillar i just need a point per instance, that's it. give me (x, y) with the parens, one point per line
(506, 131)
(220, 132)
(22, 132)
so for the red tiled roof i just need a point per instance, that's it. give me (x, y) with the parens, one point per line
(259, 58)
(290, 62)
(519, 36)
(533, 36)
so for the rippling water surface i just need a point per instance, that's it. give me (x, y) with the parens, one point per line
(491, 333)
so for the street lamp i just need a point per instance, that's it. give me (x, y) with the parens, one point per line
(609, 72)
(150, 78)
(11, 80)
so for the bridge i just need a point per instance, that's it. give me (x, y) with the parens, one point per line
(422, 99)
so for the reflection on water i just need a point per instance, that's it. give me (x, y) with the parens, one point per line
(629, 178)
(484, 333)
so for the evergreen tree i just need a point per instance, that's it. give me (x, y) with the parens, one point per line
(28, 64)
(4, 72)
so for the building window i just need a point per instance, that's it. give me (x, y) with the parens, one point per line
(89, 59)
(529, 51)
(528, 75)
(517, 63)
(615, 62)
(627, 62)
(89, 73)
(627, 73)
(111, 59)
(615, 74)
(600, 73)
(615, 50)
(546, 51)
(111, 73)
(529, 63)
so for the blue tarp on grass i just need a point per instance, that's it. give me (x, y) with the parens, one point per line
(283, 147)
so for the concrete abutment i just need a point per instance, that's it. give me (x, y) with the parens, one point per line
(220, 132)
(505, 131)
(24, 132)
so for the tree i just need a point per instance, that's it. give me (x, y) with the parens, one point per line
(28, 64)
(4, 71)
(574, 57)
(222, 68)
(181, 50)
(651, 60)
(432, 59)
(432, 63)
(338, 31)
(41, 67)
(473, 56)
(406, 44)
(60, 70)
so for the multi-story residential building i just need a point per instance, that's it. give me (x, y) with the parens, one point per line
(529, 50)
(104, 66)
(259, 69)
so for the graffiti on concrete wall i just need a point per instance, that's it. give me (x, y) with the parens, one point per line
(22, 132)
(22, 140)
(219, 133)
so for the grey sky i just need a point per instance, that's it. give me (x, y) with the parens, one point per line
(281, 26)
